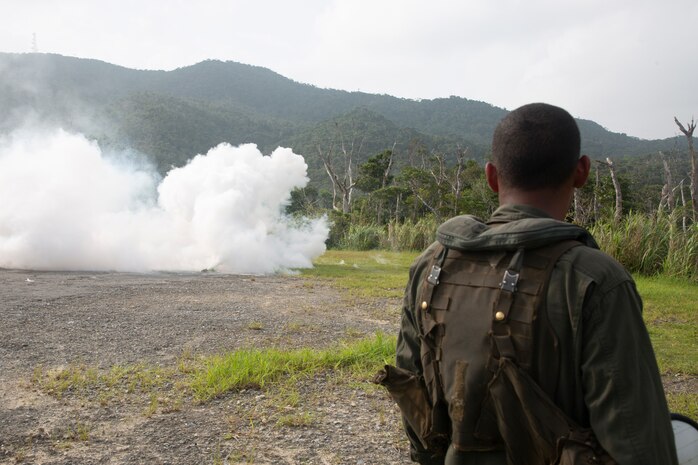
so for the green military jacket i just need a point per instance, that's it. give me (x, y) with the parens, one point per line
(608, 377)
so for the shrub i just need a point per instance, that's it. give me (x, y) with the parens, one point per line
(682, 255)
(362, 237)
(339, 226)
(411, 236)
(651, 245)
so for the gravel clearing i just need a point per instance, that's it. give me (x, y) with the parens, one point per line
(53, 320)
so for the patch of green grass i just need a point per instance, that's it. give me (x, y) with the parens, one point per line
(297, 327)
(259, 368)
(255, 325)
(64, 438)
(152, 406)
(296, 419)
(242, 456)
(671, 315)
(82, 380)
(82, 432)
(364, 274)
(685, 403)
(164, 389)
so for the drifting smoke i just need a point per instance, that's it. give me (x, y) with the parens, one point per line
(63, 205)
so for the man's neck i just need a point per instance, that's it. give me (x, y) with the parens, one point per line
(555, 202)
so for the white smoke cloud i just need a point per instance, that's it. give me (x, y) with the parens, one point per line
(64, 205)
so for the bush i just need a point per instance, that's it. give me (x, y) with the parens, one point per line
(682, 256)
(411, 236)
(362, 237)
(407, 236)
(651, 245)
(339, 226)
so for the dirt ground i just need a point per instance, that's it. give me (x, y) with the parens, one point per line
(53, 320)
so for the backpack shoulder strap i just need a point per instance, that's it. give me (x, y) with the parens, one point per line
(501, 331)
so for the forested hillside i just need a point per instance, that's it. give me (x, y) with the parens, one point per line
(398, 167)
(170, 116)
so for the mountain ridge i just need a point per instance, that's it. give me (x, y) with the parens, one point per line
(167, 114)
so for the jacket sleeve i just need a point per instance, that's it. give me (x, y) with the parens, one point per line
(622, 386)
(408, 353)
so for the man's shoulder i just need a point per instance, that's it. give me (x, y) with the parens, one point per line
(595, 265)
(425, 257)
(420, 265)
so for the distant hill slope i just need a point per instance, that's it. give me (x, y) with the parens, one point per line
(173, 115)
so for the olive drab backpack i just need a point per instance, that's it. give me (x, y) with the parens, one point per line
(490, 360)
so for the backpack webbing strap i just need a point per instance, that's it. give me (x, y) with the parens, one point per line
(501, 332)
(432, 279)
(430, 352)
(426, 322)
(502, 306)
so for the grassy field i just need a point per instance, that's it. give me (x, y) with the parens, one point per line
(670, 306)
(364, 274)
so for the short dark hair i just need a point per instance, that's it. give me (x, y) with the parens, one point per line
(535, 146)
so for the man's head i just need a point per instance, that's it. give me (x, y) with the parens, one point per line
(535, 147)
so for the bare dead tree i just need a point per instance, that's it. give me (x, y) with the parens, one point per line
(388, 167)
(688, 132)
(669, 183)
(416, 154)
(385, 179)
(578, 217)
(342, 178)
(326, 157)
(683, 203)
(434, 164)
(597, 186)
(449, 179)
(415, 189)
(667, 198)
(456, 180)
(616, 186)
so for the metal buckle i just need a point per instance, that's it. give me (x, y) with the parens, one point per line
(433, 278)
(509, 281)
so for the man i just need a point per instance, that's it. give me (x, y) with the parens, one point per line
(603, 375)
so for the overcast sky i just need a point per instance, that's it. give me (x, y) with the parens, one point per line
(630, 65)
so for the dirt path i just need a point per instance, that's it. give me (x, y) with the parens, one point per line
(56, 319)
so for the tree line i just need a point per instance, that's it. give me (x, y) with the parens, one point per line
(398, 196)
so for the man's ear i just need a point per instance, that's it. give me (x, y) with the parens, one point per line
(491, 175)
(581, 172)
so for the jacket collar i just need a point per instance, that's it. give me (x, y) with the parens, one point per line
(511, 227)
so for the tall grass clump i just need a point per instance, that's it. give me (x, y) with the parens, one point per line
(636, 241)
(651, 245)
(397, 236)
(363, 237)
(411, 236)
(682, 257)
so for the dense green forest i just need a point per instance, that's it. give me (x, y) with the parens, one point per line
(171, 116)
(385, 169)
